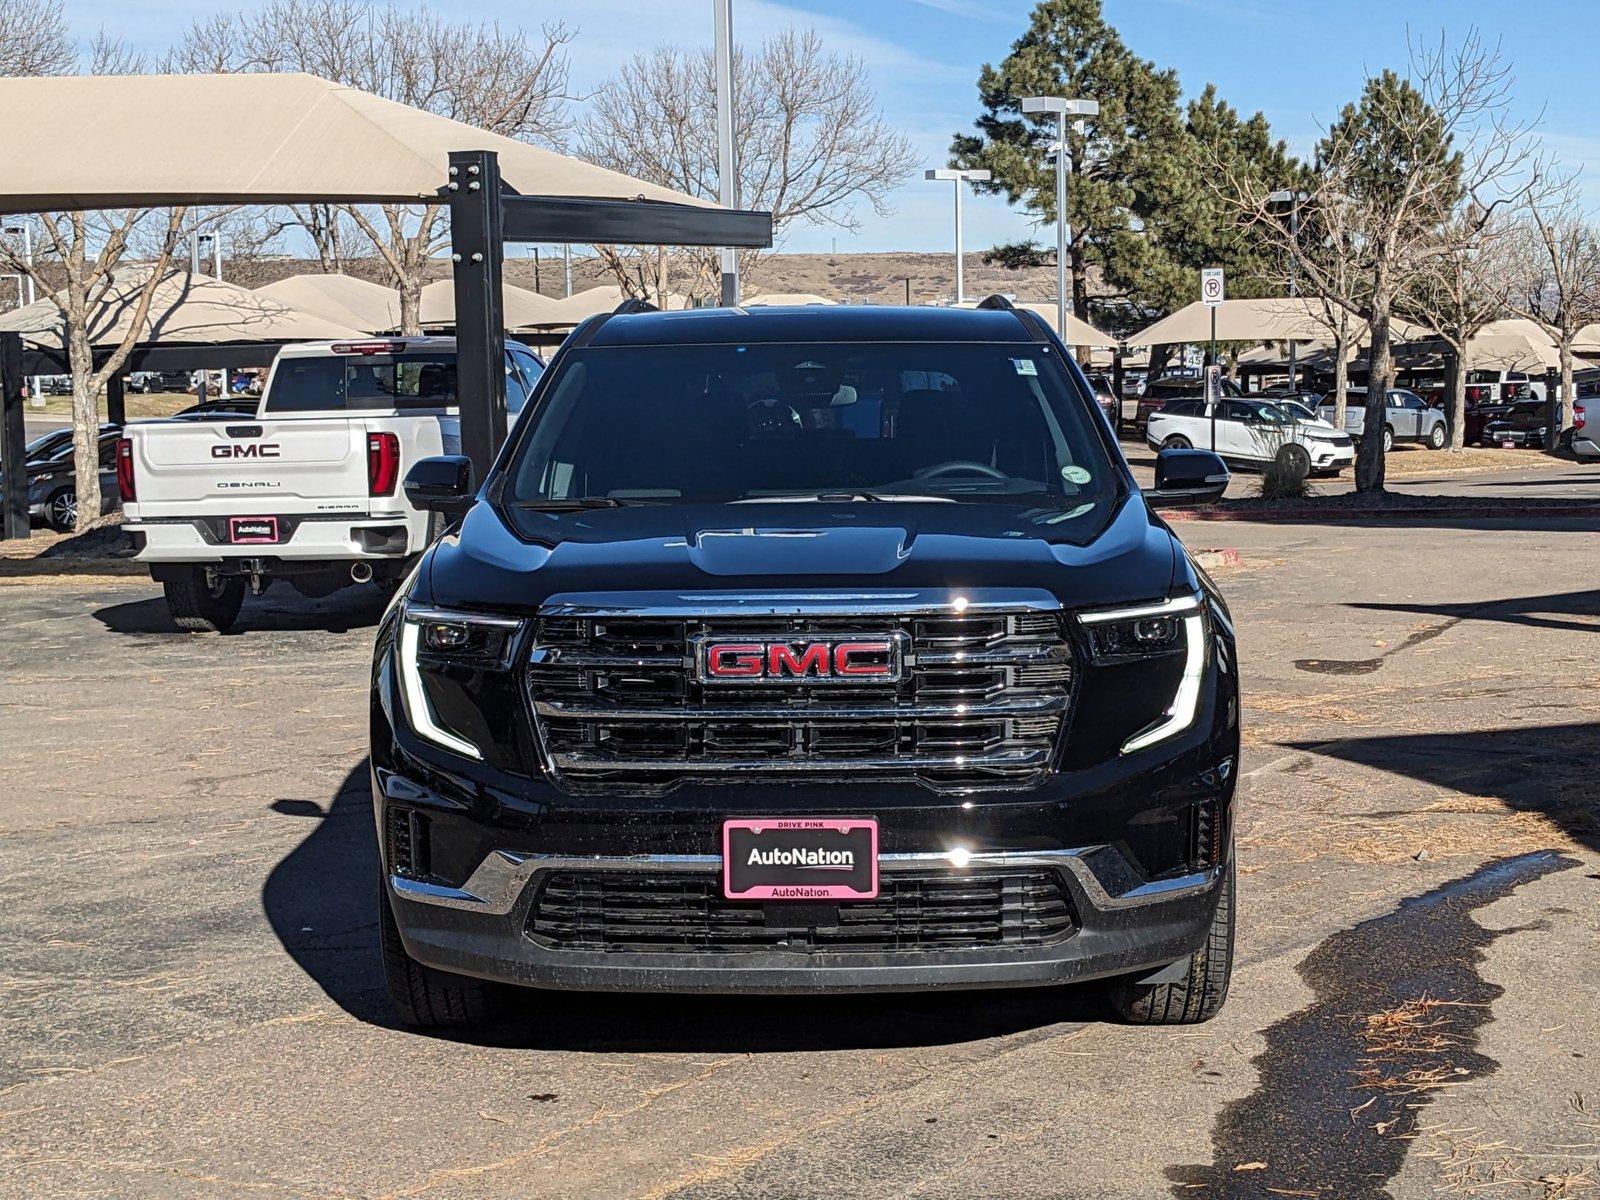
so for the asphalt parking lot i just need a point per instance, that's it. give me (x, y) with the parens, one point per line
(192, 1004)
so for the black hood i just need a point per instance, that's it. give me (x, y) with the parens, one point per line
(1127, 555)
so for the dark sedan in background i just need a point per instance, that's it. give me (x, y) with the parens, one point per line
(53, 478)
(1522, 425)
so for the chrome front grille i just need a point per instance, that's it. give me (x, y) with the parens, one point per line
(980, 703)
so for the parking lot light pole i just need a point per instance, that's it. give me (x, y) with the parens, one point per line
(727, 164)
(957, 176)
(1063, 108)
(1292, 199)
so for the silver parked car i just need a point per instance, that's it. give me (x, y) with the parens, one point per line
(1406, 418)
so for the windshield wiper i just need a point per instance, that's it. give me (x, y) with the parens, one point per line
(575, 505)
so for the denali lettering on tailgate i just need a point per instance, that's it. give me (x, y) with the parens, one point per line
(856, 660)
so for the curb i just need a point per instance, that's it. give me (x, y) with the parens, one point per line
(1211, 560)
(1359, 514)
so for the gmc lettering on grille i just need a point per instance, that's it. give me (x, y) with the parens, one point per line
(856, 660)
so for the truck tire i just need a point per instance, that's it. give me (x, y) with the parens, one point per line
(1199, 995)
(426, 998)
(199, 607)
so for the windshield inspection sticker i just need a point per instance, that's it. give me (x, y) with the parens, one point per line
(1025, 366)
(1075, 475)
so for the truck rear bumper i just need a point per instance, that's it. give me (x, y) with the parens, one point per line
(1119, 927)
(311, 539)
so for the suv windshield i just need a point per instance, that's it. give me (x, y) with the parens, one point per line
(868, 421)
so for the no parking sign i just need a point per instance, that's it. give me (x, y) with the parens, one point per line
(1212, 289)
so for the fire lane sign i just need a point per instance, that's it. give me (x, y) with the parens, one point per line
(1212, 290)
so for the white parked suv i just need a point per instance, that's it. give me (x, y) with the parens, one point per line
(307, 490)
(1253, 433)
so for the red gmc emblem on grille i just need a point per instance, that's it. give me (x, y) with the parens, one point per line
(775, 660)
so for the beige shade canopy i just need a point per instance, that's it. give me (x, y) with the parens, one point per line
(184, 309)
(92, 142)
(602, 299)
(345, 299)
(1514, 344)
(1079, 332)
(1296, 319)
(522, 308)
(781, 299)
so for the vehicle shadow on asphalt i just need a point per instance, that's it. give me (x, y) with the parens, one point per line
(279, 610)
(1545, 769)
(319, 900)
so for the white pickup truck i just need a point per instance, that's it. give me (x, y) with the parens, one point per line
(307, 490)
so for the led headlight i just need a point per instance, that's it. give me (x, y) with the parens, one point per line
(445, 638)
(1172, 627)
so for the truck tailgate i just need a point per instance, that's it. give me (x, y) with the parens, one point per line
(275, 466)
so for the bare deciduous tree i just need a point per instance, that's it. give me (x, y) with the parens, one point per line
(1553, 268)
(1410, 174)
(34, 39)
(1456, 294)
(79, 255)
(810, 141)
(503, 80)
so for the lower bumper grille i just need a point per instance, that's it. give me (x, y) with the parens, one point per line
(914, 911)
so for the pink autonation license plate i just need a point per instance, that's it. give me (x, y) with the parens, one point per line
(800, 858)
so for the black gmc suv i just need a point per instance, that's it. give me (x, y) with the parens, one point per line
(807, 650)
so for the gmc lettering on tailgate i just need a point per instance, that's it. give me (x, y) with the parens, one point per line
(235, 450)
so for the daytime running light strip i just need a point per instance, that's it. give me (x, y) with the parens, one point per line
(416, 699)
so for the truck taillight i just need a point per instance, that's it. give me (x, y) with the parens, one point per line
(383, 463)
(1578, 416)
(125, 485)
(1477, 393)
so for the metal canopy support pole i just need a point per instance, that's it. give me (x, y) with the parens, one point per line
(116, 400)
(727, 167)
(13, 437)
(477, 253)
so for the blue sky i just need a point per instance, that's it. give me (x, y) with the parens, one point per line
(1296, 61)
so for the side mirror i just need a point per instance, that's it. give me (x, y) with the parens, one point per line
(442, 484)
(1187, 477)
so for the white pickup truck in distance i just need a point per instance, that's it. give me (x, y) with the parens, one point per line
(307, 490)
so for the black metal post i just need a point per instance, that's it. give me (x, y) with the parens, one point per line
(116, 400)
(1554, 409)
(477, 252)
(13, 437)
(1119, 378)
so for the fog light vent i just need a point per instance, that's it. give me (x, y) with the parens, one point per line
(408, 843)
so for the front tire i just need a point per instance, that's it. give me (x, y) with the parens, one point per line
(425, 998)
(1436, 438)
(1295, 462)
(61, 510)
(1199, 995)
(201, 606)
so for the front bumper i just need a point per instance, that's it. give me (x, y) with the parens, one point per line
(1329, 455)
(1124, 926)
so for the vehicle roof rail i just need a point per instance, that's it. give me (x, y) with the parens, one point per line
(633, 305)
(995, 300)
